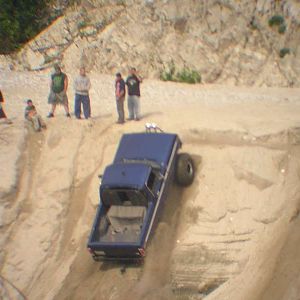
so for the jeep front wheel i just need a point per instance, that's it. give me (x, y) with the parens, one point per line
(184, 169)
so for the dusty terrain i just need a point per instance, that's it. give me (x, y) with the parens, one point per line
(232, 235)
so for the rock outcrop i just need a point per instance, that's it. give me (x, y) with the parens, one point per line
(226, 41)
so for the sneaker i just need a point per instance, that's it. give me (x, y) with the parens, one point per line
(50, 115)
(120, 122)
(137, 119)
(68, 115)
(130, 119)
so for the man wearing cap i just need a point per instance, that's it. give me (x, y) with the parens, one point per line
(120, 97)
(32, 116)
(58, 91)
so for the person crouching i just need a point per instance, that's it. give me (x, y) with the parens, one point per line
(33, 117)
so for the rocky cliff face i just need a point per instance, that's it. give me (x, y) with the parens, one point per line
(226, 41)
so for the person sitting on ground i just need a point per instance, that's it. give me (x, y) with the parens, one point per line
(32, 116)
(58, 91)
(2, 113)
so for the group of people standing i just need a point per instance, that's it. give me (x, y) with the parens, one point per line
(82, 84)
(58, 93)
(133, 100)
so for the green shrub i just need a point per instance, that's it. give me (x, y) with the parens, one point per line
(253, 25)
(185, 75)
(276, 20)
(282, 28)
(188, 76)
(82, 24)
(169, 74)
(284, 51)
(47, 59)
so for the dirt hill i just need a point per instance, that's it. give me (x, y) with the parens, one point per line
(226, 41)
(233, 234)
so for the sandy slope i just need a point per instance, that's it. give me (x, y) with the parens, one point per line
(231, 235)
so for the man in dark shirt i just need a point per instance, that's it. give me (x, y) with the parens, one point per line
(133, 88)
(120, 97)
(58, 91)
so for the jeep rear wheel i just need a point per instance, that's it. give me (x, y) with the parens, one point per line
(184, 169)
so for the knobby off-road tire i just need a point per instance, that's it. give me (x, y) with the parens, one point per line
(184, 169)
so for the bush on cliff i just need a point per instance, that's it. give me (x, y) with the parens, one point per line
(21, 20)
(185, 75)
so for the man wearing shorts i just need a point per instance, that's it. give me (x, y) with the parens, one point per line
(58, 91)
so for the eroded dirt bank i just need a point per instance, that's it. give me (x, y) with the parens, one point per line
(239, 218)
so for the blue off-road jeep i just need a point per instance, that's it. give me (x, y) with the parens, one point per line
(132, 192)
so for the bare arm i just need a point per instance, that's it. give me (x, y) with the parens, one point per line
(66, 82)
(140, 78)
(122, 93)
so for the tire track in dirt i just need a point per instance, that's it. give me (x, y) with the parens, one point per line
(74, 212)
(222, 233)
(94, 280)
(79, 190)
(18, 202)
(82, 259)
(68, 271)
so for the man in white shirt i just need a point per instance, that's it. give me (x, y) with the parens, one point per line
(82, 85)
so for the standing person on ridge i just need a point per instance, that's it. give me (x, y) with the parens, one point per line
(82, 84)
(58, 91)
(120, 97)
(133, 101)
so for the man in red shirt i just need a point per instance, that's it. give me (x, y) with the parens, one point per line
(120, 97)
